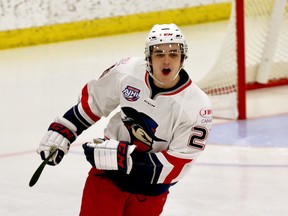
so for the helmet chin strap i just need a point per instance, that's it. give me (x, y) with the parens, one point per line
(158, 81)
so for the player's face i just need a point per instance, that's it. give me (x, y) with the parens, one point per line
(166, 62)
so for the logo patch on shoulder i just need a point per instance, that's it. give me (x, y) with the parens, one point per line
(206, 113)
(131, 93)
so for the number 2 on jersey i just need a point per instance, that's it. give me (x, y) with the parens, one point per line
(197, 138)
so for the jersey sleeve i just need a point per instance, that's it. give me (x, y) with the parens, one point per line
(98, 98)
(169, 166)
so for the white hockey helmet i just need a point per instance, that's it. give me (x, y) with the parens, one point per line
(163, 34)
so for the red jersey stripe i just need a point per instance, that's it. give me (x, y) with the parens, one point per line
(85, 104)
(178, 166)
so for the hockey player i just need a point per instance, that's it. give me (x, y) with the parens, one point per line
(161, 128)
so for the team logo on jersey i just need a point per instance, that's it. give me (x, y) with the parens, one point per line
(131, 93)
(142, 129)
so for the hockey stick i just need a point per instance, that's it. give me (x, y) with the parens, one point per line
(39, 170)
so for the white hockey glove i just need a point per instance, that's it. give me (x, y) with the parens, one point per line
(58, 136)
(109, 155)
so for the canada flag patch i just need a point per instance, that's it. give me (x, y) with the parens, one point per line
(131, 93)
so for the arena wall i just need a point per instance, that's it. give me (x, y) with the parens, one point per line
(32, 22)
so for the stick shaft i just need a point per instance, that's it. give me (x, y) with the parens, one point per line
(39, 170)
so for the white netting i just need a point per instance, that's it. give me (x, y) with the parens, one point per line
(266, 53)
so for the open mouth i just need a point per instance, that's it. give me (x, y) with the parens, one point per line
(166, 71)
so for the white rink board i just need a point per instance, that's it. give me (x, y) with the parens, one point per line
(15, 14)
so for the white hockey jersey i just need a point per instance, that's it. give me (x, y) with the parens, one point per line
(169, 127)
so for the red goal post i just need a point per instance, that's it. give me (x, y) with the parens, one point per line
(254, 54)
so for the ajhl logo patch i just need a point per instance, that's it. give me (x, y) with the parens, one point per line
(131, 93)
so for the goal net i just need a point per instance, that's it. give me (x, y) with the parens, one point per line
(265, 55)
